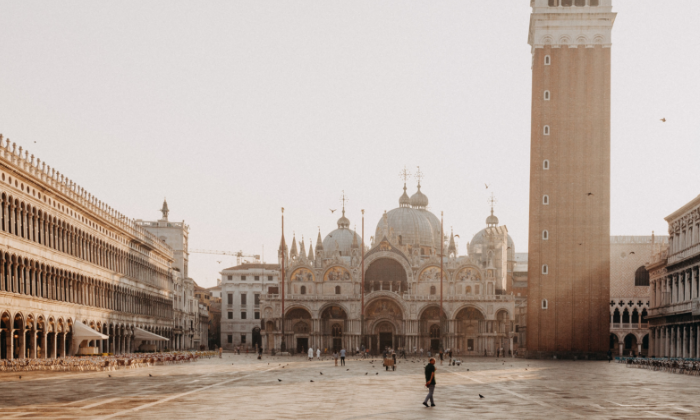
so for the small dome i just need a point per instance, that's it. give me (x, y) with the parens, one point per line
(343, 237)
(404, 201)
(419, 200)
(492, 220)
(343, 222)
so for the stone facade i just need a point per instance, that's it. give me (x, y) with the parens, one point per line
(674, 318)
(242, 287)
(569, 230)
(67, 257)
(331, 302)
(629, 292)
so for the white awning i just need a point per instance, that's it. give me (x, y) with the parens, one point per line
(140, 334)
(83, 332)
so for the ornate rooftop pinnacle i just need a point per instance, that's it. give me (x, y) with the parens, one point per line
(165, 210)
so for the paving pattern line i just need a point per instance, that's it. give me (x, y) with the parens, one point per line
(529, 399)
(141, 407)
(663, 416)
(108, 400)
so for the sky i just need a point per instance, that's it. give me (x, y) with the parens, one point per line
(235, 109)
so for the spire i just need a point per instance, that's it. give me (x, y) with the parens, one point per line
(283, 244)
(302, 247)
(492, 220)
(404, 200)
(293, 253)
(452, 247)
(165, 210)
(319, 242)
(311, 252)
(343, 222)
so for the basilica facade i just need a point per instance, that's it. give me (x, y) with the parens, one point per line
(416, 292)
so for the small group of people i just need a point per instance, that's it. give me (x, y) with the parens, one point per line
(336, 354)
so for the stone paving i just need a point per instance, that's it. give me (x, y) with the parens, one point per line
(241, 387)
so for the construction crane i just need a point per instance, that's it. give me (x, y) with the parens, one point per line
(237, 254)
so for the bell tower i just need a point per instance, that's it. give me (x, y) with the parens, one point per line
(569, 229)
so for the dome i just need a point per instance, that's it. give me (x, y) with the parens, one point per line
(434, 223)
(342, 237)
(404, 201)
(409, 226)
(419, 200)
(480, 239)
(492, 220)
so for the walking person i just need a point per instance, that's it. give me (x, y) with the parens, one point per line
(221, 351)
(442, 353)
(311, 354)
(318, 353)
(609, 356)
(342, 356)
(430, 382)
(335, 357)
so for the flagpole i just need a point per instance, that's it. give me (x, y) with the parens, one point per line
(362, 285)
(283, 345)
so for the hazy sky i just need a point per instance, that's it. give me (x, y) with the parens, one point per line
(232, 110)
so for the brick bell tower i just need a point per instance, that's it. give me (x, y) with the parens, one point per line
(569, 230)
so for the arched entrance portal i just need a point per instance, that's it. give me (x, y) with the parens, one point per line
(468, 322)
(384, 318)
(299, 320)
(257, 338)
(333, 320)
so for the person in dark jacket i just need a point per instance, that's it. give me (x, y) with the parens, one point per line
(430, 382)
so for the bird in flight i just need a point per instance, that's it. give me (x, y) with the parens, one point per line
(487, 186)
(631, 252)
(456, 236)
(332, 210)
(662, 120)
(219, 262)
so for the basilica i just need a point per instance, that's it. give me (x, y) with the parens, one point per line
(408, 289)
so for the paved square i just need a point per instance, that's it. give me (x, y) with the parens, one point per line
(241, 387)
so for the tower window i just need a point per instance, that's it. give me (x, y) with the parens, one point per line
(545, 200)
(544, 303)
(546, 95)
(545, 165)
(545, 235)
(546, 130)
(641, 277)
(545, 269)
(547, 60)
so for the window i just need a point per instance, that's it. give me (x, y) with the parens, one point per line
(230, 277)
(553, 3)
(242, 278)
(594, 3)
(243, 315)
(230, 315)
(546, 130)
(303, 290)
(567, 3)
(545, 165)
(547, 60)
(269, 278)
(545, 200)
(544, 303)
(641, 277)
(545, 235)
(273, 290)
(257, 278)
(244, 299)
(230, 298)
(546, 95)
(242, 338)
(545, 269)
(433, 290)
(257, 298)
(337, 290)
(257, 315)
(230, 339)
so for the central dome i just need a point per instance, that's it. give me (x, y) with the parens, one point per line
(411, 223)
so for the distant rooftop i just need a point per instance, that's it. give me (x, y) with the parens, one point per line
(253, 266)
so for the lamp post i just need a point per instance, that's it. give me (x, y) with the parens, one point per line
(283, 345)
(362, 285)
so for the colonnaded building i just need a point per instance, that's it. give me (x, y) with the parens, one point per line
(323, 300)
(67, 257)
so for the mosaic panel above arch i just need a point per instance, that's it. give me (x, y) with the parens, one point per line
(468, 274)
(337, 274)
(431, 273)
(384, 308)
(302, 274)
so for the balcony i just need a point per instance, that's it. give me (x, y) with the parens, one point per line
(686, 253)
(672, 309)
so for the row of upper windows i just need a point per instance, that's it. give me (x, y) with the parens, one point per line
(570, 3)
(244, 298)
(302, 290)
(243, 278)
(244, 315)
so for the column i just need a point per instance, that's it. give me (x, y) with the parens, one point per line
(32, 353)
(622, 347)
(652, 341)
(10, 343)
(54, 355)
(691, 339)
(44, 346)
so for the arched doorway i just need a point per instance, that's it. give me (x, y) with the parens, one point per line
(299, 319)
(432, 327)
(379, 315)
(270, 333)
(333, 320)
(435, 338)
(630, 345)
(5, 335)
(468, 324)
